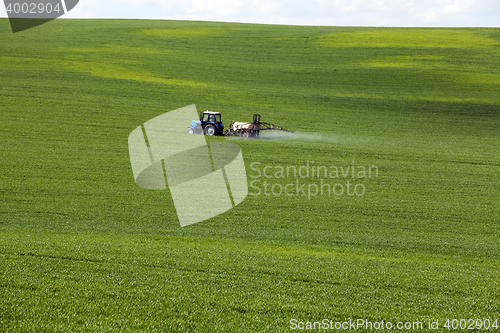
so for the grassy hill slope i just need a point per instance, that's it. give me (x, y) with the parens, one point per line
(83, 248)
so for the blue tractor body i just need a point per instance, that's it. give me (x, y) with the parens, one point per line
(196, 127)
(209, 124)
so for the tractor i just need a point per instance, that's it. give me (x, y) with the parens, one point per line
(209, 124)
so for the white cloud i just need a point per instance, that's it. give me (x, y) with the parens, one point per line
(220, 7)
(315, 12)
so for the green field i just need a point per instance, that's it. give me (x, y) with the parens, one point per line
(82, 248)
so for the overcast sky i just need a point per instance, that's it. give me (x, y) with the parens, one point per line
(403, 13)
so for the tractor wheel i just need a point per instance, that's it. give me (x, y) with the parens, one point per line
(190, 130)
(210, 130)
(244, 133)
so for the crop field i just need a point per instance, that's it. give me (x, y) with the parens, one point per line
(382, 206)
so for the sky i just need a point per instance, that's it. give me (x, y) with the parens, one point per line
(393, 13)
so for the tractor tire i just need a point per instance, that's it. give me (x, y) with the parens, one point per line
(244, 133)
(210, 130)
(190, 130)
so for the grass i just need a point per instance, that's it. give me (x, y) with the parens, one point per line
(84, 249)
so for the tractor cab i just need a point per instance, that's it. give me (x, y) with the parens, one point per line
(210, 117)
(209, 124)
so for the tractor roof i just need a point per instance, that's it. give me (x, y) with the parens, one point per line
(210, 112)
